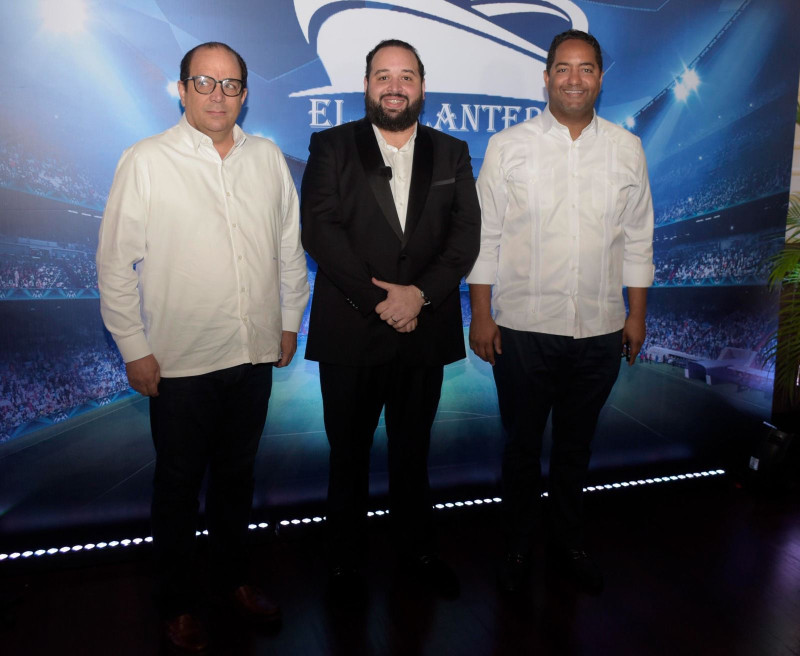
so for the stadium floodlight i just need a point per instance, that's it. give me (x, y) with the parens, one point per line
(63, 16)
(681, 92)
(688, 81)
(630, 122)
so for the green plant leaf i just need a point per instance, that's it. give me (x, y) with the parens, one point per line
(785, 273)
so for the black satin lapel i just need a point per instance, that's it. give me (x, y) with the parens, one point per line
(420, 180)
(371, 160)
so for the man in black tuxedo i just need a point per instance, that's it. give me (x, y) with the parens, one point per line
(390, 214)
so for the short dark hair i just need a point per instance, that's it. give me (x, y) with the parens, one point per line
(394, 43)
(186, 62)
(569, 35)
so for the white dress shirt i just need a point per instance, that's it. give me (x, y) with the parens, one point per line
(401, 161)
(199, 259)
(565, 224)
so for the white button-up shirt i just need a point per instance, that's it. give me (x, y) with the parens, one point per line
(401, 161)
(565, 224)
(199, 259)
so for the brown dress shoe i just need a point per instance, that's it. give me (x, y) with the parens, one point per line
(186, 633)
(255, 605)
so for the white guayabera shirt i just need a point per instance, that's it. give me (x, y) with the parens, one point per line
(219, 269)
(565, 225)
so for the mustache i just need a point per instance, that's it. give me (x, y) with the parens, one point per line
(396, 122)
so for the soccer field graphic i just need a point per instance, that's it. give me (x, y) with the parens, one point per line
(709, 86)
(98, 467)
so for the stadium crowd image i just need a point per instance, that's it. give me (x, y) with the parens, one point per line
(707, 90)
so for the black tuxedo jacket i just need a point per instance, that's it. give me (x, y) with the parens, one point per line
(350, 227)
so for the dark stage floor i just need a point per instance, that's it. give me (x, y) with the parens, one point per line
(692, 567)
(97, 468)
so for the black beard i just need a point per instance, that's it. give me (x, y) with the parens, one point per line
(392, 122)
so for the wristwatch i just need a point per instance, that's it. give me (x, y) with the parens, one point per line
(425, 300)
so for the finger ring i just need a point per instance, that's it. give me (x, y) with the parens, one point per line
(394, 320)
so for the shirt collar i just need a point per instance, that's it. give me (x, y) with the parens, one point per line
(549, 122)
(198, 138)
(386, 146)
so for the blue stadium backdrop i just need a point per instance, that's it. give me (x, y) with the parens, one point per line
(710, 86)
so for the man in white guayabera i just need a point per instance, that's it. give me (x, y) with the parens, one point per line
(567, 221)
(203, 285)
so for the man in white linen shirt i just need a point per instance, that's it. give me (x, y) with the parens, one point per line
(567, 221)
(203, 285)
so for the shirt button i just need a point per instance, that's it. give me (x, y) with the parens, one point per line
(235, 225)
(240, 257)
(228, 194)
(241, 289)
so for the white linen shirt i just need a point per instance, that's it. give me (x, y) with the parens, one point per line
(199, 259)
(401, 161)
(565, 224)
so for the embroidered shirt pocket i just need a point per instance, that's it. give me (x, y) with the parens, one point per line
(605, 194)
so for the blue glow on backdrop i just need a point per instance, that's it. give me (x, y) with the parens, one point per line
(710, 86)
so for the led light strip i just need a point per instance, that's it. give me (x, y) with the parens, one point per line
(91, 546)
(654, 480)
(377, 513)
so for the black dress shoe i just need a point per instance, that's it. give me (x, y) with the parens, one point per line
(186, 634)
(513, 573)
(436, 574)
(254, 605)
(583, 571)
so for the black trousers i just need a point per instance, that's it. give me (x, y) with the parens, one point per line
(212, 422)
(537, 373)
(352, 399)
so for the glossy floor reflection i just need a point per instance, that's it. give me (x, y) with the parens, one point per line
(696, 567)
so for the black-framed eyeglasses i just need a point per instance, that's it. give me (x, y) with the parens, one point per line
(205, 84)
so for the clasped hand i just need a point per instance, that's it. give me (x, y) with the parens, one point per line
(401, 306)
